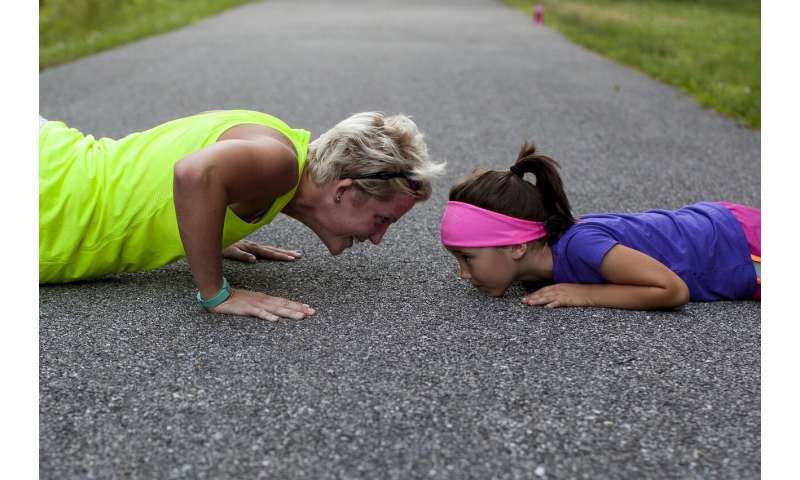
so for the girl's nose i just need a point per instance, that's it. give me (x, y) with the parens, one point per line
(464, 273)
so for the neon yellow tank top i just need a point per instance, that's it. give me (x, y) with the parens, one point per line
(105, 206)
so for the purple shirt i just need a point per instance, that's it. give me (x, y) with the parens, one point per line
(702, 243)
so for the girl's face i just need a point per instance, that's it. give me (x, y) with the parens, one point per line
(490, 269)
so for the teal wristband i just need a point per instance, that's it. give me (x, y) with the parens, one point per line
(220, 297)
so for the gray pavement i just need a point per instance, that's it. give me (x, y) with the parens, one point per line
(405, 372)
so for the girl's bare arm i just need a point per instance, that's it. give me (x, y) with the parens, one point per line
(636, 281)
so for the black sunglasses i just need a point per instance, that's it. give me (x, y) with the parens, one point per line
(412, 184)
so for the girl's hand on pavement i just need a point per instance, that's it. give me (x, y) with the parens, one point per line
(247, 251)
(559, 295)
(260, 305)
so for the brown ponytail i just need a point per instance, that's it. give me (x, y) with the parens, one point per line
(510, 194)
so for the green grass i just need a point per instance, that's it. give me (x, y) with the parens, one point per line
(710, 49)
(70, 29)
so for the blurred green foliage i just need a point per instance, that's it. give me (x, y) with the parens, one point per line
(710, 49)
(69, 29)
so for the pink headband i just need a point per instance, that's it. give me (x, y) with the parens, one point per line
(465, 225)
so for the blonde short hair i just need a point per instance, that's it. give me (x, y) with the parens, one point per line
(370, 143)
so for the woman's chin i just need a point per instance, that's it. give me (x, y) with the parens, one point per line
(339, 247)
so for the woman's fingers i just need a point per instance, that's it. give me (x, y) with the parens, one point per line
(264, 315)
(288, 308)
(274, 253)
(282, 251)
(235, 253)
(247, 251)
(259, 305)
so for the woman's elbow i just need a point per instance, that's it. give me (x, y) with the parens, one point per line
(188, 175)
(183, 172)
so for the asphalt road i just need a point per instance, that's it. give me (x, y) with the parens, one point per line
(405, 371)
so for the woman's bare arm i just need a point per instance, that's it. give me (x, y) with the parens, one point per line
(209, 180)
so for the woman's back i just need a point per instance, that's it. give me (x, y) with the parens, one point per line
(106, 205)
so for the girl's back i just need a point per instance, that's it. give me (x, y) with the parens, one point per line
(702, 243)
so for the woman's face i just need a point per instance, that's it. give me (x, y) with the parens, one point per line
(358, 217)
(490, 269)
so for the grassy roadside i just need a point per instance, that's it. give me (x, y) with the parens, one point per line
(710, 49)
(70, 29)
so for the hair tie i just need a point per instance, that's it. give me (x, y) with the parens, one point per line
(517, 170)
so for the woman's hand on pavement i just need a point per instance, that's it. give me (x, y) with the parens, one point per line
(260, 305)
(247, 251)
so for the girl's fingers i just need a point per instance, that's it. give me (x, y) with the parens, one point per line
(534, 300)
(546, 300)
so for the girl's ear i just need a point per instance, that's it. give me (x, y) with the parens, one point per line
(518, 251)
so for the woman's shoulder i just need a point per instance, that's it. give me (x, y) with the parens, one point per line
(254, 125)
(268, 140)
(245, 115)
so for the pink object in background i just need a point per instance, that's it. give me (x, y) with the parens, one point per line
(538, 13)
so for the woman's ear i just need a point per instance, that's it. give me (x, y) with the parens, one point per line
(341, 187)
